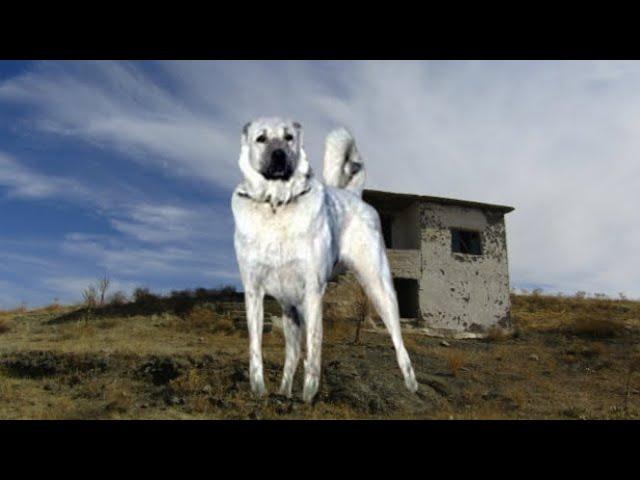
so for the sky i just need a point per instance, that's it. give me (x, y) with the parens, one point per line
(126, 168)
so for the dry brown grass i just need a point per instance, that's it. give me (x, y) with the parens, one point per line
(347, 321)
(496, 334)
(554, 370)
(192, 382)
(117, 397)
(594, 327)
(577, 316)
(456, 359)
(52, 308)
(204, 318)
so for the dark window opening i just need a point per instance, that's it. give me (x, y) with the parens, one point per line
(466, 241)
(385, 223)
(407, 293)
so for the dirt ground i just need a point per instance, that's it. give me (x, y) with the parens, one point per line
(570, 358)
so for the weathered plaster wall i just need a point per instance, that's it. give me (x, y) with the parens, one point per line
(405, 263)
(463, 295)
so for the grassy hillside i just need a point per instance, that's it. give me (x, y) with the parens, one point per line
(185, 356)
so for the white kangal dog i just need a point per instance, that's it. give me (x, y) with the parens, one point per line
(291, 232)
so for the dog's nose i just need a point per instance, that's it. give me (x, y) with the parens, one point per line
(278, 157)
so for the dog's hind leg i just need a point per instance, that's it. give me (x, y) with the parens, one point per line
(292, 326)
(363, 251)
(255, 320)
(313, 327)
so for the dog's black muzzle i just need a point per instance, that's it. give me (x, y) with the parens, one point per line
(279, 167)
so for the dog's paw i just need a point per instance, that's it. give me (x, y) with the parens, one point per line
(310, 389)
(258, 389)
(411, 383)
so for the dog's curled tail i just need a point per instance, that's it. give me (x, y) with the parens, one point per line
(343, 166)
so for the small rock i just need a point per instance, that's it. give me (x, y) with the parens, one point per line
(534, 357)
(444, 343)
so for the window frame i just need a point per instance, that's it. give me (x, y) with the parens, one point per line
(461, 241)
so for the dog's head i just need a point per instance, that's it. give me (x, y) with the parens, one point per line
(272, 147)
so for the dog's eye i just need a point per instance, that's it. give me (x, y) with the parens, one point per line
(288, 137)
(262, 138)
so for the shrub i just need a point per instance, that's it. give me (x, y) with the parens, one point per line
(496, 334)
(103, 286)
(118, 298)
(90, 296)
(142, 295)
(455, 360)
(203, 317)
(4, 326)
(594, 327)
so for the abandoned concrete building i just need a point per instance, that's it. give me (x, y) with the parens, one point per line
(449, 262)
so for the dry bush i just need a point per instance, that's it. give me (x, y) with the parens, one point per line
(4, 326)
(338, 325)
(90, 296)
(189, 383)
(117, 397)
(203, 317)
(593, 327)
(52, 307)
(456, 360)
(496, 334)
(118, 298)
(103, 286)
(359, 308)
(143, 296)
(348, 318)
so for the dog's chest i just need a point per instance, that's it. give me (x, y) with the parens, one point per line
(280, 245)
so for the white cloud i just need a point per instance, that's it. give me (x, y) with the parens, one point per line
(172, 223)
(558, 140)
(26, 183)
(116, 255)
(114, 105)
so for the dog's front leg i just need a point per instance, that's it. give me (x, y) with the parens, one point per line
(255, 319)
(312, 364)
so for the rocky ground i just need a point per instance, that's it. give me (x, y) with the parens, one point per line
(569, 358)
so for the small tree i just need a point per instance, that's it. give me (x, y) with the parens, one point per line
(103, 286)
(90, 296)
(359, 308)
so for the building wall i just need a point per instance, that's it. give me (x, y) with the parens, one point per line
(463, 295)
(405, 230)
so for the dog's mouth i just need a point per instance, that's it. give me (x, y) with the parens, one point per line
(278, 168)
(283, 175)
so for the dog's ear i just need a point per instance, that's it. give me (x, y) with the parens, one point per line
(245, 133)
(298, 128)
